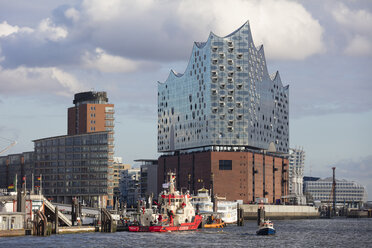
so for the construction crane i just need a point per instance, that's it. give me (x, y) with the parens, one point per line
(9, 146)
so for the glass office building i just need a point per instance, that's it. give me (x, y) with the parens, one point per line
(224, 100)
(76, 166)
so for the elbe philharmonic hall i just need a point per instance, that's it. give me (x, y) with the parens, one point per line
(223, 123)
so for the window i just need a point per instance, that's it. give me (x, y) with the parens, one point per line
(225, 164)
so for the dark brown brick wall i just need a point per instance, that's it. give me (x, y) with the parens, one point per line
(235, 184)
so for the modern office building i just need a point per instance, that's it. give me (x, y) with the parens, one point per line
(296, 174)
(76, 166)
(347, 192)
(16, 169)
(148, 178)
(91, 113)
(130, 186)
(226, 116)
(79, 164)
(118, 167)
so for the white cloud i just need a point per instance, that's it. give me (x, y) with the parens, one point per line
(50, 31)
(357, 25)
(358, 20)
(7, 29)
(286, 28)
(23, 80)
(359, 46)
(105, 62)
(72, 14)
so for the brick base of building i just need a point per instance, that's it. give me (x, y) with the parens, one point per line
(241, 175)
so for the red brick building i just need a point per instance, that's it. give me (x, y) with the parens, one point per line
(91, 113)
(237, 175)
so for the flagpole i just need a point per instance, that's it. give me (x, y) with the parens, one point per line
(16, 182)
(41, 183)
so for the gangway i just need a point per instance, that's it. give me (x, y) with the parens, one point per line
(61, 216)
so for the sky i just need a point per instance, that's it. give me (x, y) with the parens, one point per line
(50, 50)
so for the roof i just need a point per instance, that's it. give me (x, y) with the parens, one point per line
(61, 136)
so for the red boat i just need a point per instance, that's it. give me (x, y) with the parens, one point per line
(174, 213)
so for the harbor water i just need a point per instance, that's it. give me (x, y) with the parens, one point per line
(290, 233)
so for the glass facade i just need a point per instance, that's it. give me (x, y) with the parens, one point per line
(224, 98)
(78, 165)
(20, 165)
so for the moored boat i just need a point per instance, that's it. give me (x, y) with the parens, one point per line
(227, 209)
(174, 212)
(214, 222)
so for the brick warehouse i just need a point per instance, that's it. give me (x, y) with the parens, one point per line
(237, 175)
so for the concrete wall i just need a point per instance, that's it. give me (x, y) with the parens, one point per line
(281, 211)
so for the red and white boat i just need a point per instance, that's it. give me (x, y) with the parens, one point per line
(174, 213)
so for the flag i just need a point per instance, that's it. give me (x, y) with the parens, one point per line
(24, 180)
(38, 178)
(11, 186)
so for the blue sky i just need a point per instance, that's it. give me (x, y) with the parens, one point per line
(50, 50)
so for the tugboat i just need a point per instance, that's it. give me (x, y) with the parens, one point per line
(266, 228)
(174, 212)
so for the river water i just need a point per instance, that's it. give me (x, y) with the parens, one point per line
(290, 233)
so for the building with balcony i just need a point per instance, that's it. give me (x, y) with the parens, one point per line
(79, 164)
(76, 166)
(225, 98)
(226, 118)
(118, 167)
(296, 175)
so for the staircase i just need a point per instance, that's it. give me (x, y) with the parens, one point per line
(61, 216)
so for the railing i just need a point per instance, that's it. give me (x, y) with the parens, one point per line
(61, 216)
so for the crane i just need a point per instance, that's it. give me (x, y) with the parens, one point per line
(9, 146)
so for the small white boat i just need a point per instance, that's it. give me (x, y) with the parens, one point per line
(266, 228)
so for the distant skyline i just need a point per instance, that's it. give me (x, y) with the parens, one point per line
(50, 50)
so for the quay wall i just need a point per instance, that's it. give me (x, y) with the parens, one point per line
(281, 212)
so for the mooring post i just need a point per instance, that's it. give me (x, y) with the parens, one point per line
(260, 215)
(240, 219)
(56, 227)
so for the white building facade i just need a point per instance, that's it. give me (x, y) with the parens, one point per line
(347, 192)
(296, 174)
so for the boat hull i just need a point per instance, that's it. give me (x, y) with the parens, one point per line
(266, 231)
(215, 225)
(183, 227)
